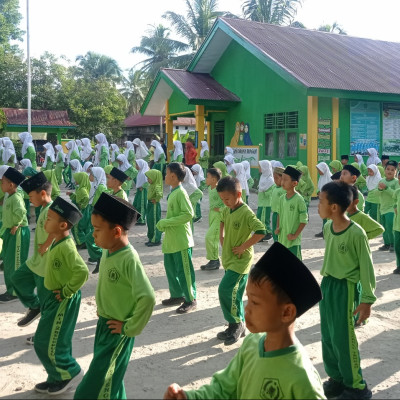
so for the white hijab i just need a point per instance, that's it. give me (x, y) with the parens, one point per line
(373, 157)
(59, 149)
(26, 163)
(99, 178)
(125, 163)
(246, 166)
(141, 178)
(26, 139)
(241, 176)
(275, 164)
(114, 152)
(178, 149)
(266, 178)
(142, 151)
(49, 153)
(76, 166)
(199, 177)
(86, 149)
(373, 181)
(71, 146)
(3, 168)
(8, 150)
(204, 147)
(96, 155)
(326, 177)
(129, 146)
(158, 150)
(189, 183)
(359, 159)
(86, 166)
(101, 138)
(228, 150)
(231, 161)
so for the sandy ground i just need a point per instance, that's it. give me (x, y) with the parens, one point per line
(184, 348)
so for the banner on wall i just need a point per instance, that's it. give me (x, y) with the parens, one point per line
(365, 122)
(391, 133)
(248, 153)
(324, 139)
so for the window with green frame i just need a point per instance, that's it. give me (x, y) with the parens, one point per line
(281, 134)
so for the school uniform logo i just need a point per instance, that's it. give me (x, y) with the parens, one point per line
(57, 264)
(271, 389)
(292, 207)
(236, 225)
(113, 275)
(342, 248)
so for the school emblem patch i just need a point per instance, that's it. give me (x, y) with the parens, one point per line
(291, 208)
(236, 225)
(57, 264)
(342, 248)
(271, 389)
(113, 275)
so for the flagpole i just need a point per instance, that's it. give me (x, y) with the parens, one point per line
(29, 68)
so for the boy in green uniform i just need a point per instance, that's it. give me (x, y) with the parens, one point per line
(65, 274)
(153, 210)
(350, 175)
(396, 227)
(15, 230)
(237, 224)
(214, 220)
(347, 269)
(387, 188)
(178, 243)
(31, 273)
(115, 180)
(124, 298)
(271, 363)
(293, 215)
(275, 198)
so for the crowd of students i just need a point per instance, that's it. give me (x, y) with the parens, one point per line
(280, 287)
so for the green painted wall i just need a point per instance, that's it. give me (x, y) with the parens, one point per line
(179, 103)
(325, 139)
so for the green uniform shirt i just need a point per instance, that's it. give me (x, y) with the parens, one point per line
(238, 226)
(131, 157)
(65, 269)
(348, 256)
(215, 202)
(74, 156)
(373, 196)
(203, 161)
(265, 198)
(37, 262)
(31, 155)
(176, 225)
(121, 194)
(155, 190)
(14, 211)
(292, 213)
(255, 374)
(386, 195)
(396, 198)
(361, 201)
(370, 226)
(59, 160)
(103, 157)
(124, 292)
(276, 195)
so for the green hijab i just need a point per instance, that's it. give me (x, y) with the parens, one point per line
(108, 168)
(222, 167)
(337, 165)
(155, 189)
(82, 179)
(29, 171)
(51, 177)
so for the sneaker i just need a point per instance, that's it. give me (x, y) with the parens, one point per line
(30, 316)
(7, 298)
(333, 388)
(30, 340)
(319, 235)
(33, 229)
(96, 269)
(224, 334)
(385, 247)
(236, 332)
(92, 261)
(211, 265)
(173, 301)
(268, 236)
(198, 220)
(397, 271)
(42, 387)
(152, 244)
(62, 386)
(350, 393)
(187, 306)
(391, 248)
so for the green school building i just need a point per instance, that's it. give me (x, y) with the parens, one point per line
(287, 94)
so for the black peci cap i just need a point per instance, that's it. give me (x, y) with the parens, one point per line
(14, 176)
(293, 173)
(336, 176)
(118, 174)
(385, 158)
(34, 182)
(66, 210)
(390, 162)
(344, 157)
(352, 170)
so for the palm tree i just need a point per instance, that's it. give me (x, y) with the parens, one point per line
(94, 66)
(161, 51)
(279, 12)
(334, 28)
(135, 87)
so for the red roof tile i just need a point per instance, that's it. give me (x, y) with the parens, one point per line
(19, 116)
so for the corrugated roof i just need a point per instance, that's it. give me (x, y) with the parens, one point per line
(19, 116)
(139, 120)
(199, 86)
(325, 60)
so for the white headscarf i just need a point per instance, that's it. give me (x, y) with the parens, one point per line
(228, 150)
(59, 149)
(26, 139)
(101, 138)
(359, 159)
(125, 163)
(71, 146)
(114, 152)
(189, 183)
(49, 153)
(3, 168)
(199, 177)
(129, 146)
(26, 163)
(78, 142)
(76, 166)
(275, 164)
(178, 149)
(8, 150)
(373, 158)
(204, 147)
(99, 179)
(141, 178)
(241, 176)
(1, 144)
(86, 149)
(326, 177)
(266, 178)
(142, 151)
(373, 181)
(86, 166)
(158, 150)
(231, 161)
(246, 166)
(96, 160)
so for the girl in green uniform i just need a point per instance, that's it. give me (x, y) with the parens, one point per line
(198, 175)
(238, 172)
(87, 167)
(28, 149)
(60, 162)
(49, 157)
(222, 167)
(306, 185)
(114, 153)
(373, 197)
(361, 183)
(265, 188)
(159, 156)
(9, 156)
(153, 214)
(141, 150)
(103, 154)
(73, 154)
(1, 151)
(229, 162)
(194, 193)
(363, 168)
(130, 152)
(132, 172)
(52, 178)
(177, 155)
(87, 151)
(204, 156)
(250, 180)
(140, 201)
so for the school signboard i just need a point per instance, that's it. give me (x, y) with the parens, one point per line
(247, 153)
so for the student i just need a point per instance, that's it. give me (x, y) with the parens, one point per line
(65, 274)
(372, 228)
(275, 198)
(396, 227)
(336, 166)
(229, 162)
(51, 177)
(325, 176)
(140, 200)
(178, 243)
(28, 149)
(73, 154)
(349, 175)
(190, 154)
(30, 274)
(177, 154)
(237, 224)
(114, 154)
(222, 167)
(129, 170)
(130, 152)
(266, 187)
(239, 173)
(159, 156)
(198, 174)
(363, 168)
(103, 153)
(49, 157)
(306, 185)
(250, 180)
(16, 236)
(214, 220)
(87, 167)
(204, 156)
(75, 167)
(373, 157)
(154, 196)
(384, 160)
(344, 159)
(87, 151)
(361, 183)
(292, 211)
(9, 156)
(373, 197)
(194, 193)
(124, 297)
(347, 265)
(387, 187)
(60, 162)
(141, 150)
(115, 180)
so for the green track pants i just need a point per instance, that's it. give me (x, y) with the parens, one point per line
(264, 215)
(212, 240)
(372, 210)
(396, 235)
(153, 215)
(140, 203)
(387, 222)
(274, 224)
